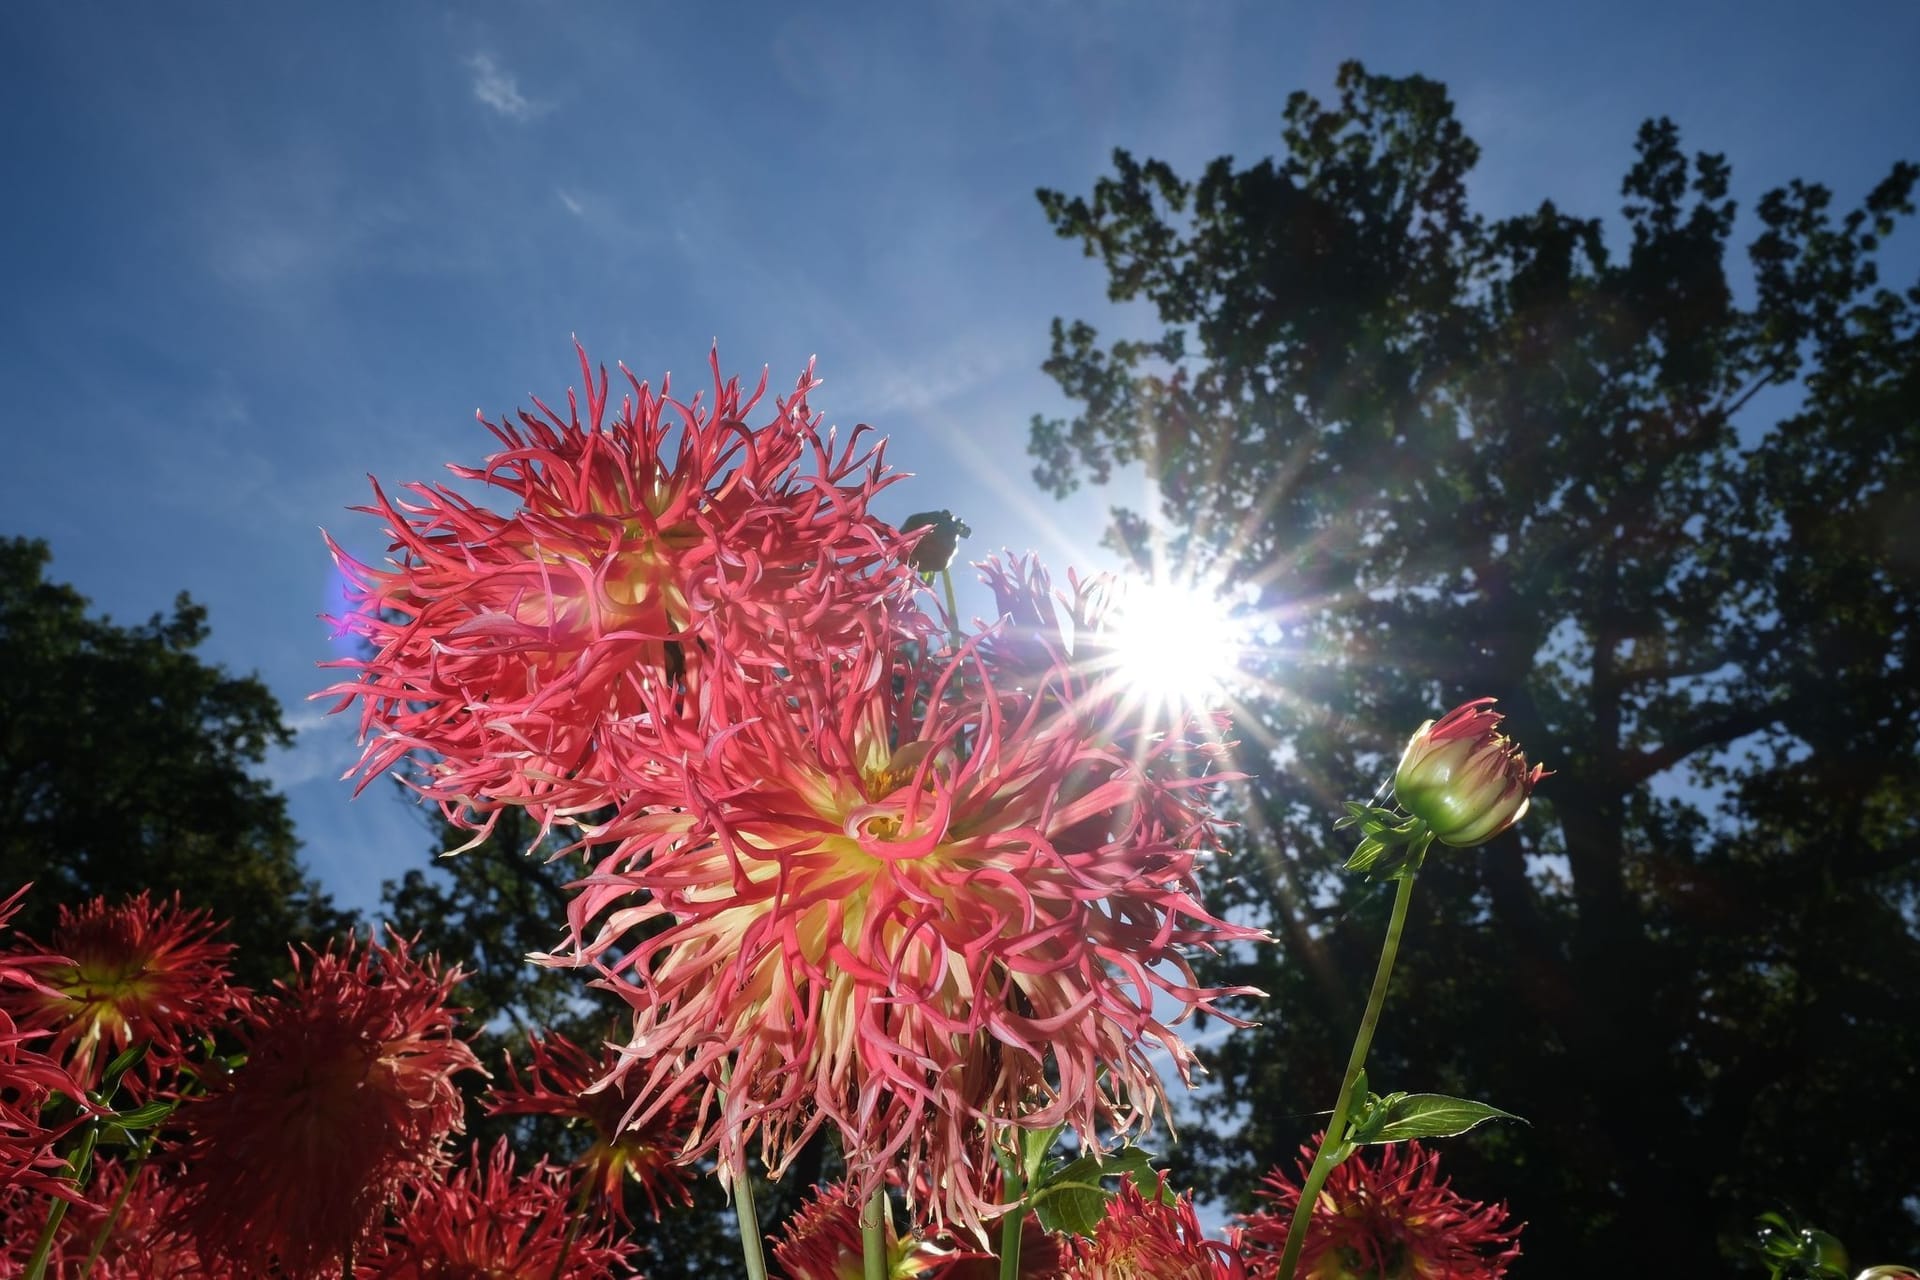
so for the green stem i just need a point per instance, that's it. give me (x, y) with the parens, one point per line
(1325, 1158)
(1012, 1227)
(749, 1219)
(873, 1235)
(76, 1171)
(134, 1166)
(953, 609)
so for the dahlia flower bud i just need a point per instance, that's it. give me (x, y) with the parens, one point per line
(935, 548)
(1465, 781)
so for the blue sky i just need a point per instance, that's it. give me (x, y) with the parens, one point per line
(250, 254)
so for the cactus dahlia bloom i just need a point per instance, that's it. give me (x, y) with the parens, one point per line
(930, 915)
(346, 1096)
(540, 653)
(135, 971)
(823, 1242)
(29, 1079)
(1384, 1212)
(488, 1222)
(560, 1081)
(1464, 780)
(1042, 1255)
(1157, 1239)
(143, 1238)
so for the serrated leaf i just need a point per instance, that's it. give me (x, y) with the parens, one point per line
(1071, 1205)
(1130, 1162)
(1430, 1115)
(1073, 1196)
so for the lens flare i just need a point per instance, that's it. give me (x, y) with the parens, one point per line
(1176, 644)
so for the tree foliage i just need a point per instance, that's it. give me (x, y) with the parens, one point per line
(1455, 455)
(127, 763)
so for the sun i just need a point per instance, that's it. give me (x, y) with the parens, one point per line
(1176, 644)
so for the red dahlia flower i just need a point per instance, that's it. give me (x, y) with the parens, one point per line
(1157, 1239)
(931, 914)
(144, 1242)
(30, 1079)
(560, 1081)
(1042, 1256)
(1464, 780)
(134, 971)
(346, 1096)
(487, 1222)
(1385, 1212)
(823, 1242)
(539, 652)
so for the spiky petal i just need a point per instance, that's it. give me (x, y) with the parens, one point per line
(537, 651)
(931, 916)
(824, 1242)
(1384, 1212)
(489, 1222)
(346, 1095)
(564, 1080)
(135, 1229)
(131, 971)
(30, 1079)
(1152, 1239)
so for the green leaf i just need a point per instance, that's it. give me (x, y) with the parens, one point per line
(124, 1060)
(1073, 1196)
(1364, 857)
(143, 1117)
(1075, 1202)
(1428, 1115)
(1034, 1145)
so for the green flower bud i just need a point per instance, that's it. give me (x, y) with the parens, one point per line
(1465, 781)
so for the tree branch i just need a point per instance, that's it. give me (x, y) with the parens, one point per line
(1637, 767)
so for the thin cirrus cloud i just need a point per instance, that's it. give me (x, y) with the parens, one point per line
(496, 87)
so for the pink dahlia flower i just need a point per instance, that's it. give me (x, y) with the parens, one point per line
(133, 971)
(930, 916)
(540, 653)
(488, 1222)
(1159, 1238)
(346, 1096)
(561, 1081)
(1466, 781)
(1383, 1212)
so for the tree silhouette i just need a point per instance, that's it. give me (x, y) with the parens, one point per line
(1458, 456)
(125, 764)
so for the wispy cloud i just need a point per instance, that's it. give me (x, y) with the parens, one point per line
(495, 86)
(571, 201)
(322, 748)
